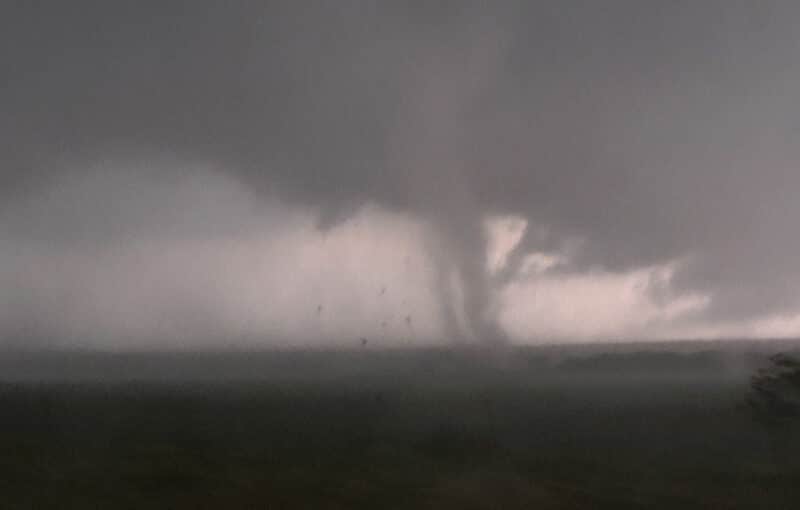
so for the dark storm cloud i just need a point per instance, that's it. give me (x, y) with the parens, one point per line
(651, 130)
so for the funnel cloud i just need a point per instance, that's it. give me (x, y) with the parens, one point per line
(175, 172)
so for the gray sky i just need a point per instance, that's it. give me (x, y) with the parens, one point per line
(321, 171)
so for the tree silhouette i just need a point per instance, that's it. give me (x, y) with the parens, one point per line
(774, 401)
(775, 391)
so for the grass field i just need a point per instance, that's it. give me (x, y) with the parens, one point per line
(383, 430)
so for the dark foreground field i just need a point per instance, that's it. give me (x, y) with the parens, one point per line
(435, 429)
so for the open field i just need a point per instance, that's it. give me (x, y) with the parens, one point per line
(416, 429)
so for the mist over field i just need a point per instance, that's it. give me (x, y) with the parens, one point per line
(593, 426)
